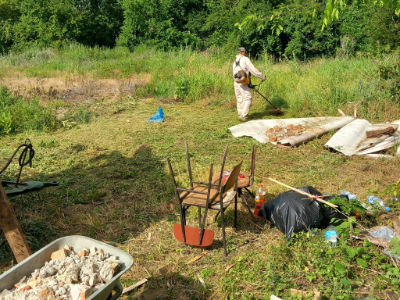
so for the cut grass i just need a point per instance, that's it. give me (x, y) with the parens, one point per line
(115, 185)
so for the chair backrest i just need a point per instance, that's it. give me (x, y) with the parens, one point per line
(188, 165)
(233, 177)
(222, 167)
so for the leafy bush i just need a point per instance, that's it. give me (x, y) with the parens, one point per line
(159, 23)
(43, 23)
(18, 115)
(389, 76)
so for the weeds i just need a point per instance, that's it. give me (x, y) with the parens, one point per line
(18, 115)
(318, 87)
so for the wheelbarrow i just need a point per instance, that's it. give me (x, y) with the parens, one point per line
(77, 242)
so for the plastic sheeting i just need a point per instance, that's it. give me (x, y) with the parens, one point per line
(12, 189)
(158, 117)
(352, 139)
(314, 127)
(290, 214)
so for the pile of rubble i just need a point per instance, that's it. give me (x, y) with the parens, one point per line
(68, 275)
(278, 133)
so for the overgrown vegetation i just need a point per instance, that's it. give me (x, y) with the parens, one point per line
(313, 88)
(19, 115)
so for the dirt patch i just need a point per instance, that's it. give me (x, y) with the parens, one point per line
(75, 89)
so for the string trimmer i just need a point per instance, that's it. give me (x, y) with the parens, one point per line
(275, 111)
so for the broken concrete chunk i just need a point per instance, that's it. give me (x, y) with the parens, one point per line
(85, 293)
(93, 251)
(93, 280)
(25, 287)
(34, 282)
(109, 269)
(46, 294)
(4, 293)
(101, 253)
(80, 292)
(83, 252)
(59, 254)
(68, 275)
(61, 291)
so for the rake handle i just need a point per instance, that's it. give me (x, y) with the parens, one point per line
(303, 193)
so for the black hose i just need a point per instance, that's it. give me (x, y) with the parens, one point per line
(24, 159)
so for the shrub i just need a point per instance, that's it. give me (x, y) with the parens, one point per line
(18, 115)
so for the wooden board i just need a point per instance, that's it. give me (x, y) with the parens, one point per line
(12, 229)
(243, 180)
(379, 129)
(192, 235)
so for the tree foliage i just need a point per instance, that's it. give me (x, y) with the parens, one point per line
(280, 28)
(160, 23)
(334, 8)
(46, 23)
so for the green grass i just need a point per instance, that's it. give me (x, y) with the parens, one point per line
(308, 89)
(115, 186)
(20, 115)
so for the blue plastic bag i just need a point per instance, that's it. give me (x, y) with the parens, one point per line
(158, 117)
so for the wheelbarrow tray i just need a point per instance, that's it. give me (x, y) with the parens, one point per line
(77, 242)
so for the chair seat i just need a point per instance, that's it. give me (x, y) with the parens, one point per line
(199, 199)
(192, 235)
(243, 180)
(194, 199)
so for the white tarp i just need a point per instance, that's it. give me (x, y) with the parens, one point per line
(352, 139)
(314, 127)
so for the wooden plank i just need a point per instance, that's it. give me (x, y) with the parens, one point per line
(12, 229)
(379, 129)
(303, 193)
(134, 286)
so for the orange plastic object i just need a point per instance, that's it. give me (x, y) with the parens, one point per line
(192, 235)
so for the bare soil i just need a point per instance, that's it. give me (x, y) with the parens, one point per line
(74, 89)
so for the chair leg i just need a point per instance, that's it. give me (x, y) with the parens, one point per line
(250, 192)
(245, 204)
(184, 215)
(199, 213)
(183, 223)
(216, 216)
(235, 213)
(223, 231)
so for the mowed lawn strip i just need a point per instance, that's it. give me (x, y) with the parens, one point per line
(115, 186)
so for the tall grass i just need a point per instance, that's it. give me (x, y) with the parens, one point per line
(317, 87)
(18, 115)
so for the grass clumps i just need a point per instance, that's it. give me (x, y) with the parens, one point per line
(302, 89)
(18, 115)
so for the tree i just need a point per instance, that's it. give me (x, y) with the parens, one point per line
(335, 7)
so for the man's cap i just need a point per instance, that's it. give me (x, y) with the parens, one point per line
(241, 49)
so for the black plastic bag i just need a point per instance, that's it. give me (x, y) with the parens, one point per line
(290, 214)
